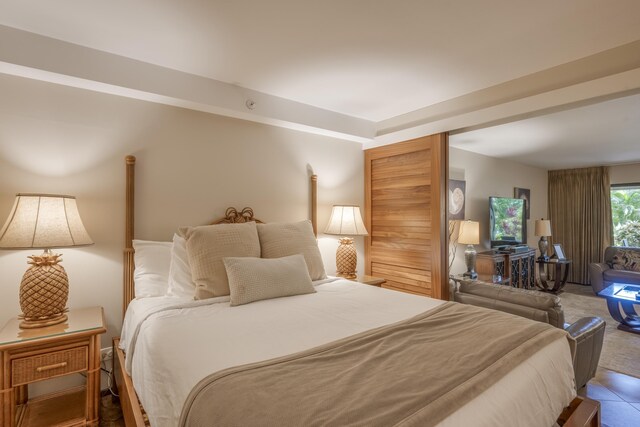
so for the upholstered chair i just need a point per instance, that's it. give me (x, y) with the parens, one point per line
(602, 274)
(543, 307)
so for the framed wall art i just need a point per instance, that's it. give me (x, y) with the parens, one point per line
(524, 194)
(456, 199)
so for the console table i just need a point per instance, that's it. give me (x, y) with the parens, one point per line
(559, 278)
(517, 266)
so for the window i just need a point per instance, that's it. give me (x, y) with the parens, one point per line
(625, 213)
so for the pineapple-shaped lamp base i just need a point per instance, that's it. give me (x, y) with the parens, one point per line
(43, 292)
(346, 259)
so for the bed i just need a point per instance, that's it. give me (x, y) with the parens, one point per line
(339, 353)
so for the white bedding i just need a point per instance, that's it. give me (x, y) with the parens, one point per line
(170, 351)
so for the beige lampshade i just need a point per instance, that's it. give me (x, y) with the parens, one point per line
(346, 221)
(43, 221)
(543, 227)
(469, 233)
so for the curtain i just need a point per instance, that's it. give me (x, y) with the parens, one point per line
(580, 214)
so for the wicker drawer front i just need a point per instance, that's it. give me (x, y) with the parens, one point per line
(34, 368)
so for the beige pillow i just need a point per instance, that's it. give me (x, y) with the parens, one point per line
(207, 245)
(626, 260)
(283, 239)
(255, 279)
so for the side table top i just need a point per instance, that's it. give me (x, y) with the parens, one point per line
(553, 261)
(371, 280)
(80, 320)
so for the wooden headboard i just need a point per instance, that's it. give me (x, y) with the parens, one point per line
(232, 215)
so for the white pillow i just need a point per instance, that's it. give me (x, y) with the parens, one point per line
(255, 279)
(151, 275)
(180, 282)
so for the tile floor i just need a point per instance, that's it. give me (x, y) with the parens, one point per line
(619, 397)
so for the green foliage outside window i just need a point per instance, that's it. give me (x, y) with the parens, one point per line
(625, 213)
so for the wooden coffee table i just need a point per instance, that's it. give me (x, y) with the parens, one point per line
(621, 296)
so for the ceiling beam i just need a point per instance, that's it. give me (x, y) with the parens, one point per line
(592, 92)
(38, 57)
(605, 75)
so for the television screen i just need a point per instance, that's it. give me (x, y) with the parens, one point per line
(508, 224)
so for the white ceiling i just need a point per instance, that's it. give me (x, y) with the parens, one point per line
(606, 133)
(369, 61)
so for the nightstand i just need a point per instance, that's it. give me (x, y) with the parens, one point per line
(370, 280)
(31, 355)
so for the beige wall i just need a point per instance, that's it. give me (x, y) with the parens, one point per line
(625, 174)
(191, 166)
(488, 176)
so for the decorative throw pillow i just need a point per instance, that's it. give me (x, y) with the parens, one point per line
(278, 240)
(151, 274)
(626, 260)
(208, 245)
(255, 279)
(180, 282)
(617, 261)
(634, 261)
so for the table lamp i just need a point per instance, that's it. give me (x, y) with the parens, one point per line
(469, 235)
(44, 221)
(543, 230)
(346, 220)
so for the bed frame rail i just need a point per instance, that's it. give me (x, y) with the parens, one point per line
(131, 409)
(581, 412)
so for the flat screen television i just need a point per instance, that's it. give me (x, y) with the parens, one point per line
(508, 224)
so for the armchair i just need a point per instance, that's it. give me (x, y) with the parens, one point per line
(588, 331)
(602, 275)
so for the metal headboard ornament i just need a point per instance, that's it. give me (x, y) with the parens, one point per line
(232, 216)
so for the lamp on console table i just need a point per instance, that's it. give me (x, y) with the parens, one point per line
(44, 221)
(346, 220)
(469, 235)
(543, 230)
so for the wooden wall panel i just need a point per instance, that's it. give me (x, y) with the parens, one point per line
(405, 200)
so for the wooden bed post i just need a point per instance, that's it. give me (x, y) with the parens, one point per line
(314, 203)
(128, 287)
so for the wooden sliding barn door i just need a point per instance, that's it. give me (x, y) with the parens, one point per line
(406, 215)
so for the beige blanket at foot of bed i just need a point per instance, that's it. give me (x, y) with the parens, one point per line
(415, 372)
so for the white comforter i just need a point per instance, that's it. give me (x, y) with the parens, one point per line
(172, 343)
